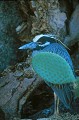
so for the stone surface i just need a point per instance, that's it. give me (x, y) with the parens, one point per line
(13, 85)
(2, 115)
(74, 28)
(9, 20)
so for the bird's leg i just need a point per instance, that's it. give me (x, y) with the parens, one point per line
(58, 105)
(55, 105)
(56, 98)
(56, 109)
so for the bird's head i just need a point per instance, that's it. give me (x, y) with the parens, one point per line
(39, 42)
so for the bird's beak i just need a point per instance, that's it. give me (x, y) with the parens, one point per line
(31, 45)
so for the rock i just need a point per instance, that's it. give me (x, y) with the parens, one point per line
(44, 119)
(74, 28)
(9, 19)
(58, 19)
(16, 85)
(64, 116)
(44, 17)
(18, 73)
(74, 23)
(19, 119)
(2, 115)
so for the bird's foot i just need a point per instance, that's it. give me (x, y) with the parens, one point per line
(56, 112)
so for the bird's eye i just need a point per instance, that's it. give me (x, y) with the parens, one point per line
(40, 43)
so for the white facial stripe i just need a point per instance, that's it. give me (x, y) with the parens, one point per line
(39, 36)
(47, 43)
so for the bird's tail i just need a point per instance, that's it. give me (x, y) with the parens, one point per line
(65, 94)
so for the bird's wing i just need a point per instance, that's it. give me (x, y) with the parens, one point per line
(65, 94)
(60, 50)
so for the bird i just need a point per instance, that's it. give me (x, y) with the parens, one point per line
(50, 43)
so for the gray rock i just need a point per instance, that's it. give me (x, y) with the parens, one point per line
(74, 28)
(9, 20)
(74, 23)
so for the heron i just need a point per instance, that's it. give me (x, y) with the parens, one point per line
(50, 43)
